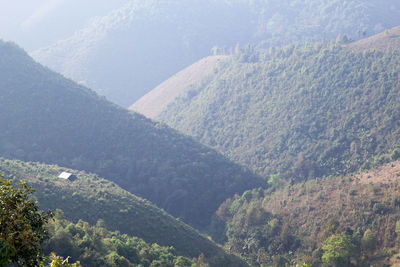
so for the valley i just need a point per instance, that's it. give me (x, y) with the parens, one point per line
(202, 134)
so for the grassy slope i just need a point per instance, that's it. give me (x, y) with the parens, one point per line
(297, 111)
(91, 198)
(388, 40)
(154, 102)
(51, 119)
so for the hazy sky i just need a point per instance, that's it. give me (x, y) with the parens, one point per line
(36, 23)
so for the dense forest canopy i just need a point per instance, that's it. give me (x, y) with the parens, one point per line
(162, 37)
(299, 111)
(54, 120)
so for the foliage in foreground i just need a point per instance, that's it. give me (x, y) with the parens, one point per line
(22, 225)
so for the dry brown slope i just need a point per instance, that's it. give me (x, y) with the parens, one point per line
(367, 200)
(385, 41)
(153, 103)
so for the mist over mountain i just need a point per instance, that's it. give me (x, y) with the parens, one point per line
(34, 24)
(52, 119)
(133, 49)
(258, 133)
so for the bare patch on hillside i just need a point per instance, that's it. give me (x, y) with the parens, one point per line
(388, 40)
(386, 174)
(154, 102)
(363, 201)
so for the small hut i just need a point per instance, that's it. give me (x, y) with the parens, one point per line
(68, 176)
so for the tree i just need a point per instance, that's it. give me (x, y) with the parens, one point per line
(22, 225)
(368, 241)
(57, 261)
(338, 250)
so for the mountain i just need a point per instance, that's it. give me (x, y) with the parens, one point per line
(93, 199)
(298, 112)
(51, 119)
(126, 53)
(155, 101)
(356, 215)
(40, 23)
(387, 40)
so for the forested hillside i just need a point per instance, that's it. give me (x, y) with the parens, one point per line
(50, 119)
(352, 220)
(133, 49)
(298, 112)
(94, 245)
(93, 199)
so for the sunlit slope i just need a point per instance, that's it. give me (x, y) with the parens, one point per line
(50, 119)
(295, 221)
(155, 101)
(386, 41)
(298, 111)
(128, 52)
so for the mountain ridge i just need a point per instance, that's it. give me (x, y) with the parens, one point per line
(162, 37)
(44, 111)
(386, 41)
(91, 198)
(287, 111)
(152, 104)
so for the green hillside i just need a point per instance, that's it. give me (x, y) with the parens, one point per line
(90, 198)
(134, 48)
(298, 112)
(352, 220)
(50, 119)
(96, 246)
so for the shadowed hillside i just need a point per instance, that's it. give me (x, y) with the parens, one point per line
(51, 119)
(90, 198)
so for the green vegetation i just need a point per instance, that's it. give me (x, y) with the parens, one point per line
(96, 246)
(338, 250)
(344, 221)
(26, 234)
(162, 37)
(51, 119)
(298, 112)
(22, 226)
(93, 199)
